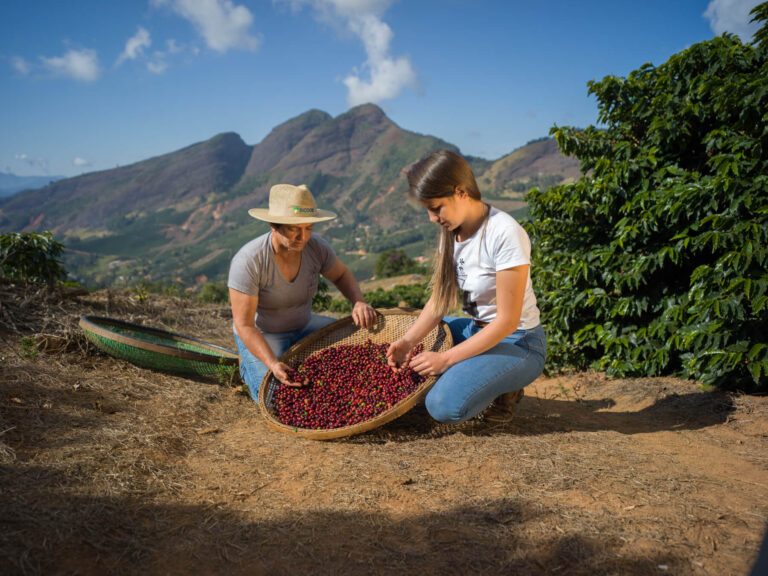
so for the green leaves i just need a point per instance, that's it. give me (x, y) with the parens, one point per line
(31, 256)
(655, 261)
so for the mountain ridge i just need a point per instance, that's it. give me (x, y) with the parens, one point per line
(164, 217)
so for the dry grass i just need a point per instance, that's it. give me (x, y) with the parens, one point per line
(109, 468)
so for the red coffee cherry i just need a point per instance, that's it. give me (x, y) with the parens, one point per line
(347, 384)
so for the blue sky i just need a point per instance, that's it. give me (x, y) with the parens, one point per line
(88, 85)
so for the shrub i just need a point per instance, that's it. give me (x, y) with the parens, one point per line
(340, 306)
(654, 262)
(214, 293)
(395, 262)
(321, 299)
(415, 295)
(31, 256)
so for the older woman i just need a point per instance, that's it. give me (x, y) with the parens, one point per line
(272, 280)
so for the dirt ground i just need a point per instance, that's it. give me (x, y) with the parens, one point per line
(108, 468)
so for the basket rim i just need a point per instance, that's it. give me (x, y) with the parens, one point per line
(387, 416)
(99, 325)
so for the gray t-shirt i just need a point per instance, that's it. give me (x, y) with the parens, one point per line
(283, 306)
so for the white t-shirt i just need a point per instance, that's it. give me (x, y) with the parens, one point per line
(504, 244)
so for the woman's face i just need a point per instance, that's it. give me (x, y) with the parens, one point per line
(448, 211)
(292, 237)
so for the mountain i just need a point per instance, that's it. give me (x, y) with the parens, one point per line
(88, 204)
(181, 216)
(537, 158)
(282, 140)
(10, 183)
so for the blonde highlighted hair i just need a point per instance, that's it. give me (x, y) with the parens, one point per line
(439, 175)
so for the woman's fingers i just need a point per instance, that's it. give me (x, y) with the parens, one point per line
(366, 316)
(398, 356)
(280, 372)
(428, 364)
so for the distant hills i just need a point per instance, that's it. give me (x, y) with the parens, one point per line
(11, 183)
(181, 216)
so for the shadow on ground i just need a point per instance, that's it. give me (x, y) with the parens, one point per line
(44, 530)
(688, 411)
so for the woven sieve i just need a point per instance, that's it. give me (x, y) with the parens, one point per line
(156, 348)
(391, 324)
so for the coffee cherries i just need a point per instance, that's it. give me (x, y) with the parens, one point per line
(346, 385)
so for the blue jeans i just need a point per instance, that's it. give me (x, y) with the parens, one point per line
(253, 370)
(467, 388)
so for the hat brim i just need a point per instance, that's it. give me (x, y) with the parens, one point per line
(263, 214)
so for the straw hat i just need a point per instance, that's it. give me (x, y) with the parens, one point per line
(291, 205)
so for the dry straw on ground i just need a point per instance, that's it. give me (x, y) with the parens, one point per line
(109, 468)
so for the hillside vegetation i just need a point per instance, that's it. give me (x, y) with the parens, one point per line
(181, 216)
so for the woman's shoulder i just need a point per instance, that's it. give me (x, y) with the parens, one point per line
(500, 220)
(502, 226)
(499, 214)
(253, 248)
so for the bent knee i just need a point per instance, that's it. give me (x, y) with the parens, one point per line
(445, 412)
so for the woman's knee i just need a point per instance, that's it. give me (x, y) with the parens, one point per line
(442, 408)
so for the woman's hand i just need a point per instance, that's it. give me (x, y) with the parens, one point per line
(430, 363)
(363, 314)
(280, 371)
(399, 355)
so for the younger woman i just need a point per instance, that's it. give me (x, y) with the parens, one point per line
(486, 254)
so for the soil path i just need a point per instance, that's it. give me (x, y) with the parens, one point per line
(595, 476)
(110, 468)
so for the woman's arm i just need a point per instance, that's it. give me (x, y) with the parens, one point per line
(363, 313)
(243, 312)
(510, 289)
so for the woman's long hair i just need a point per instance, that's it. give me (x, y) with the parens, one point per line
(437, 176)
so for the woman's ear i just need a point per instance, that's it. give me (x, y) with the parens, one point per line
(460, 192)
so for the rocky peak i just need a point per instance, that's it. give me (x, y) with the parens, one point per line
(281, 140)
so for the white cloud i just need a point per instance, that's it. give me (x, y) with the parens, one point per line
(223, 25)
(173, 46)
(78, 64)
(159, 62)
(135, 45)
(80, 162)
(386, 75)
(732, 16)
(36, 162)
(157, 65)
(20, 65)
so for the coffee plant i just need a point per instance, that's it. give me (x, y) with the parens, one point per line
(321, 300)
(414, 295)
(32, 256)
(654, 262)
